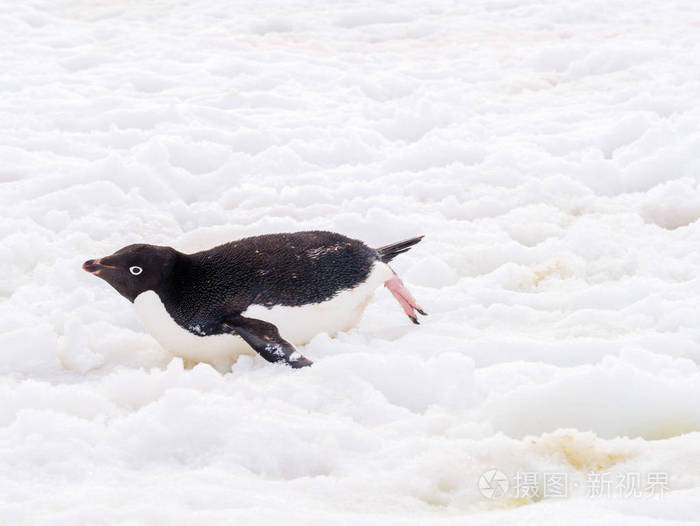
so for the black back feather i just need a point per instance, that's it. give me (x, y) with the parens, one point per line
(274, 269)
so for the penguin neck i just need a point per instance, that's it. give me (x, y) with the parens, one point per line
(176, 276)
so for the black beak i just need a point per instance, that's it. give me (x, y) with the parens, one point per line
(92, 266)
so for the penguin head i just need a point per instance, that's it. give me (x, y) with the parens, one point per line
(134, 269)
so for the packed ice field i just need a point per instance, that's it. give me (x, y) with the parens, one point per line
(550, 153)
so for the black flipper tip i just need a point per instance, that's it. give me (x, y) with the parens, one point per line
(414, 320)
(299, 363)
(422, 312)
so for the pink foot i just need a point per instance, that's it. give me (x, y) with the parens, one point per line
(400, 292)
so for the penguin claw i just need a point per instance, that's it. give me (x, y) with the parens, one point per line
(408, 304)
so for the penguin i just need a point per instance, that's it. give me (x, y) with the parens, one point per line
(262, 294)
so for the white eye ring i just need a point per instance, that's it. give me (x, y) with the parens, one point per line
(135, 270)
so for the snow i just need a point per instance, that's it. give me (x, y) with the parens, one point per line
(549, 151)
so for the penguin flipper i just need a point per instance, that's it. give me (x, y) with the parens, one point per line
(265, 339)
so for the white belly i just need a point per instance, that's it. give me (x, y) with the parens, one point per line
(297, 325)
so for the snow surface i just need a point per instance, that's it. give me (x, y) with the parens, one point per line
(548, 150)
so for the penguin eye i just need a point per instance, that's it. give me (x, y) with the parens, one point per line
(135, 270)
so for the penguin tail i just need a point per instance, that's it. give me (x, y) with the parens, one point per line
(389, 252)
